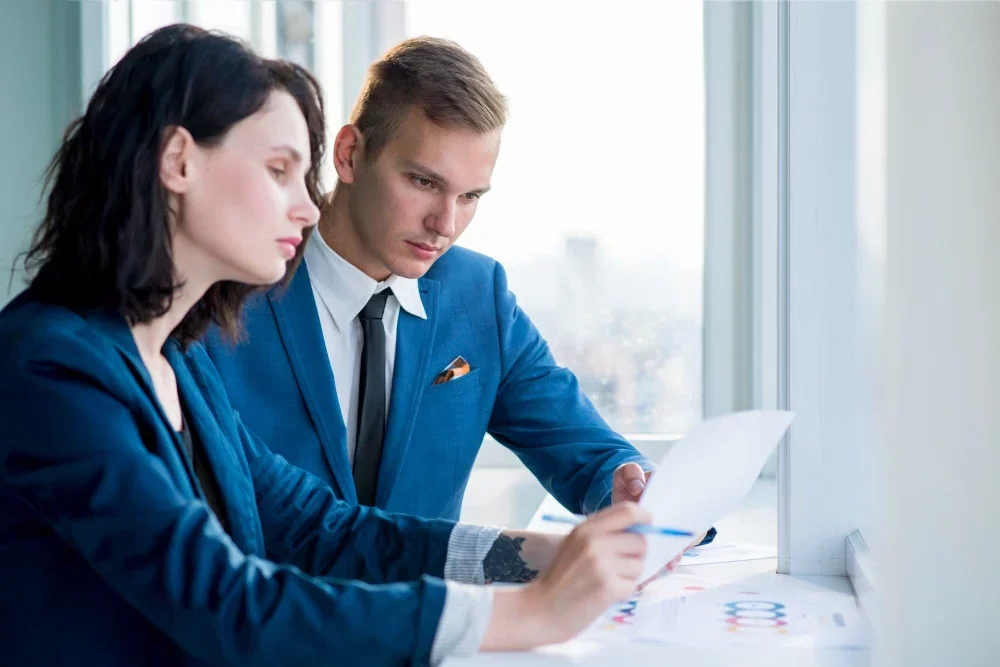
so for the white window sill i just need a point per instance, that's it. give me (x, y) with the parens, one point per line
(512, 491)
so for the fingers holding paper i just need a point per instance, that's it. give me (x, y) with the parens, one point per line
(628, 483)
(596, 565)
(673, 564)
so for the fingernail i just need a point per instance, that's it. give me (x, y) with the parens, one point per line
(636, 486)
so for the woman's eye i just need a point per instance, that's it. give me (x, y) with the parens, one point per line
(277, 172)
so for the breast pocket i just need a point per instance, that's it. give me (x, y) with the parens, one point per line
(450, 425)
(461, 387)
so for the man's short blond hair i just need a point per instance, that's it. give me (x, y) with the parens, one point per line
(437, 76)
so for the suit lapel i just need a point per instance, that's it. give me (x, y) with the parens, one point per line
(237, 493)
(295, 314)
(117, 329)
(414, 338)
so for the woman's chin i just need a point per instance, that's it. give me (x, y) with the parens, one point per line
(262, 276)
(276, 275)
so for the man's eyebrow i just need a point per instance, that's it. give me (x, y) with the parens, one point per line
(426, 171)
(433, 175)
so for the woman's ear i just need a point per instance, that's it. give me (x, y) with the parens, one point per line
(175, 160)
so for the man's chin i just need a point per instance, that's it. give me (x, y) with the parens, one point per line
(413, 268)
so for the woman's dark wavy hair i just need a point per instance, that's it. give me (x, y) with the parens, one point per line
(105, 240)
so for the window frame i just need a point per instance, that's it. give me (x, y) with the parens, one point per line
(808, 288)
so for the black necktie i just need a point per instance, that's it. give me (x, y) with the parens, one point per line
(371, 399)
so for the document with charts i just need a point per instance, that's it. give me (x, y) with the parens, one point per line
(618, 622)
(768, 610)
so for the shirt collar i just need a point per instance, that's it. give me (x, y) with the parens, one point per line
(345, 289)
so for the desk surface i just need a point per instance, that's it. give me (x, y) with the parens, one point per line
(755, 522)
(578, 653)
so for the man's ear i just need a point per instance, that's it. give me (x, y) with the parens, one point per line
(348, 151)
(175, 160)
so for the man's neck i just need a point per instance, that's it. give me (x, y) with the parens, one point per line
(338, 233)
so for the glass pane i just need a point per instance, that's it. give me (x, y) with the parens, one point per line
(119, 30)
(295, 24)
(311, 34)
(597, 207)
(131, 20)
(231, 16)
(148, 15)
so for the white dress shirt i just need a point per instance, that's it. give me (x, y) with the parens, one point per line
(341, 290)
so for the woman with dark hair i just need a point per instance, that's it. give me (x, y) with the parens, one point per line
(140, 523)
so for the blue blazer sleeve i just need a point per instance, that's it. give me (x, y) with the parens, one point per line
(73, 452)
(306, 525)
(543, 416)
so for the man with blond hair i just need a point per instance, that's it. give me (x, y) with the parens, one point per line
(390, 355)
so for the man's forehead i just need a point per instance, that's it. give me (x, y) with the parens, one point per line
(416, 128)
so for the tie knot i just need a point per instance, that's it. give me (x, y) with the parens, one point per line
(375, 307)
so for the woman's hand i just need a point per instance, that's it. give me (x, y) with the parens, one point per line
(595, 566)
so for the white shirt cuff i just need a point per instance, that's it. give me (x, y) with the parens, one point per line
(464, 619)
(467, 548)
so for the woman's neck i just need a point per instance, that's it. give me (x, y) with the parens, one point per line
(150, 337)
(193, 273)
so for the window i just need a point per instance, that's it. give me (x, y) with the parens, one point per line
(605, 146)
(597, 210)
(600, 203)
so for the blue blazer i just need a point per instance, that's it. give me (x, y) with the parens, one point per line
(110, 555)
(280, 380)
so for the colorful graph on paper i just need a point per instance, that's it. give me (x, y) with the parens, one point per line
(768, 610)
(615, 624)
(618, 622)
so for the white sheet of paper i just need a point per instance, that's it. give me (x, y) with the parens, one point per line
(617, 623)
(676, 585)
(705, 476)
(727, 552)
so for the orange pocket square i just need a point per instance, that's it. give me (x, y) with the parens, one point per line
(456, 369)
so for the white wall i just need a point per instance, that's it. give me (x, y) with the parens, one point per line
(870, 275)
(941, 548)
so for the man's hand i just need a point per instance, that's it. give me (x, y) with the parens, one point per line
(628, 483)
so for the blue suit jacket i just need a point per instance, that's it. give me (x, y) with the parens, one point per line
(110, 555)
(281, 381)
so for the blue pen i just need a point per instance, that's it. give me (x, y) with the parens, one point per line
(642, 528)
